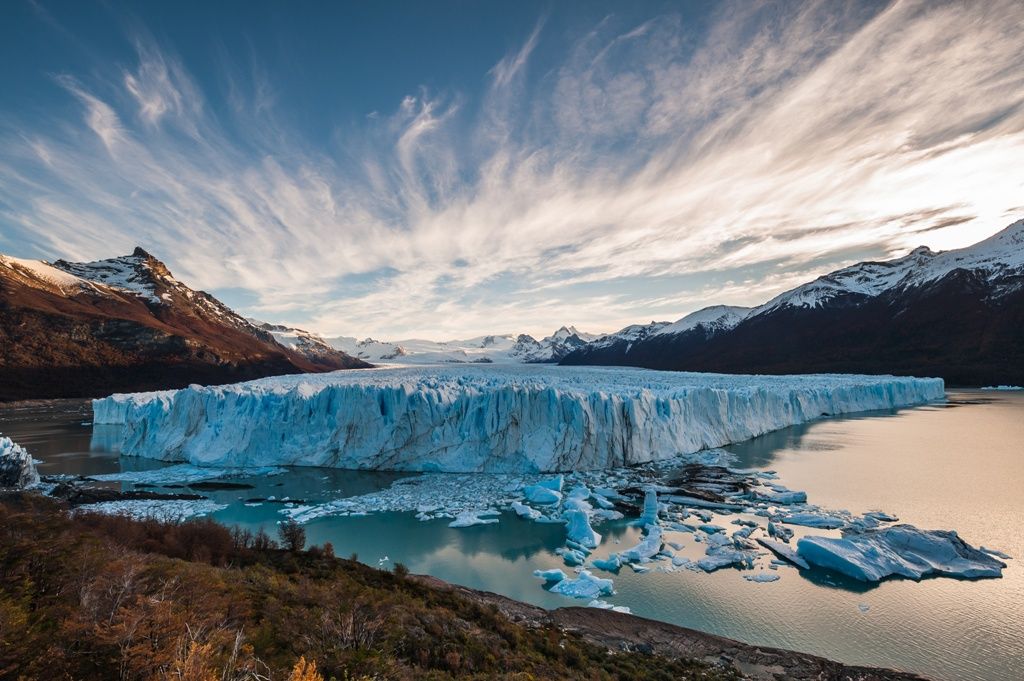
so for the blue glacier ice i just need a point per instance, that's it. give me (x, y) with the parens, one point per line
(901, 550)
(482, 418)
(649, 516)
(585, 585)
(579, 530)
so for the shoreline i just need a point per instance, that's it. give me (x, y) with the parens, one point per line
(627, 632)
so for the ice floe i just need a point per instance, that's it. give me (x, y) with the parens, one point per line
(185, 473)
(585, 585)
(157, 509)
(605, 605)
(901, 550)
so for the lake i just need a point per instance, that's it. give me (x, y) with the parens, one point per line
(957, 465)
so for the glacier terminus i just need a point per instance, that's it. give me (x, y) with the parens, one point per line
(483, 418)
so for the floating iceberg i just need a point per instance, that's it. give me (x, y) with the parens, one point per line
(901, 550)
(579, 530)
(184, 474)
(585, 586)
(524, 511)
(166, 510)
(480, 418)
(762, 577)
(470, 518)
(646, 549)
(605, 605)
(538, 494)
(554, 575)
(785, 552)
(17, 469)
(650, 512)
(811, 519)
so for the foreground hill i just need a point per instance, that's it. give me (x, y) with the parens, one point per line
(125, 324)
(958, 315)
(87, 597)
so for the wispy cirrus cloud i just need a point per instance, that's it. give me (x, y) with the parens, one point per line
(652, 169)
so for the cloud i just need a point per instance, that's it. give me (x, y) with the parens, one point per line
(653, 169)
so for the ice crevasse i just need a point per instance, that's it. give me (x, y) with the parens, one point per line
(483, 419)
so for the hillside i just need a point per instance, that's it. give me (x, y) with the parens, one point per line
(958, 315)
(126, 324)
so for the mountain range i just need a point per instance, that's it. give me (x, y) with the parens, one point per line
(125, 324)
(955, 314)
(85, 329)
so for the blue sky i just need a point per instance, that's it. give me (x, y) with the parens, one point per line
(450, 169)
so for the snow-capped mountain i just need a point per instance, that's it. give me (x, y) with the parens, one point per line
(81, 329)
(498, 348)
(956, 314)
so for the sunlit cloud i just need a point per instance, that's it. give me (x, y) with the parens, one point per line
(654, 169)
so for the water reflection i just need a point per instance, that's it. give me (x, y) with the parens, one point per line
(957, 465)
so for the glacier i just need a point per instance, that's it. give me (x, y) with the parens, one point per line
(483, 418)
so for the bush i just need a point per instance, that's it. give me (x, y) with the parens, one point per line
(293, 535)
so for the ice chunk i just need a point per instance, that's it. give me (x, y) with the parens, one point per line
(781, 495)
(585, 585)
(779, 532)
(762, 577)
(167, 510)
(605, 605)
(783, 551)
(553, 575)
(474, 418)
(901, 550)
(818, 520)
(650, 512)
(524, 511)
(579, 530)
(470, 518)
(611, 564)
(538, 494)
(185, 473)
(17, 468)
(996, 553)
(556, 483)
(572, 557)
(718, 557)
(646, 549)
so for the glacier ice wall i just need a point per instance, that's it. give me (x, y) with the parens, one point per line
(480, 418)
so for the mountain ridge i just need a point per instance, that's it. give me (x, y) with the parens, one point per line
(126, 324)
(955, 314)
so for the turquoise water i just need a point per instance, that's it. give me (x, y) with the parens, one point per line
(954, 466)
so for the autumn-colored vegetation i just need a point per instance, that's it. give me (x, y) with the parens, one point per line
(97, 597)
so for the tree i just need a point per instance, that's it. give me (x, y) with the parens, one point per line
(305, 671)
(293, 536)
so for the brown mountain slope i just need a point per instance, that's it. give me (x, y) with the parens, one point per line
(125, 324)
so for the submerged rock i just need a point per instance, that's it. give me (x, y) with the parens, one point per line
(902, 550)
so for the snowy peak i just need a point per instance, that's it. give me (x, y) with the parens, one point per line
(999, 260)
(630, 334)
(713, 319)
(493, 348)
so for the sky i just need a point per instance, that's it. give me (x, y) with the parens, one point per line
(449, 169)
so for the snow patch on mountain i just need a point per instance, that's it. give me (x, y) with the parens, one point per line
(496, 348)
(714, 319)
(1000, 259)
